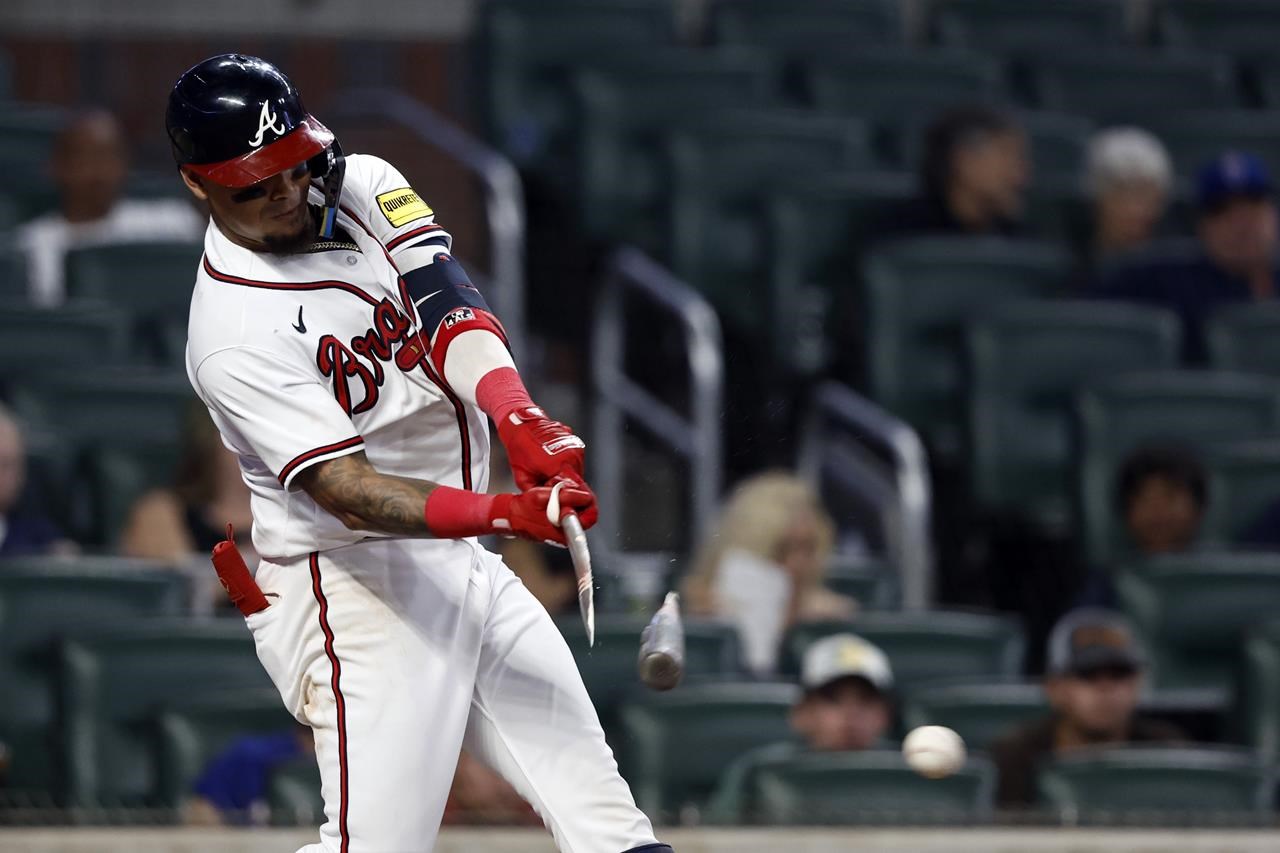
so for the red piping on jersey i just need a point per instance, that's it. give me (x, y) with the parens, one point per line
(409, 235)
(303, 458)
(339, 701)
(288, 285)
(459, 409)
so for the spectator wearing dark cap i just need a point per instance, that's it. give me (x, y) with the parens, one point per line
(974, 172)
(846, 705)
(1094, 678)
(1238, 234)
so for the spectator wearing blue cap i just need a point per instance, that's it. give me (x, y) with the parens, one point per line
(1234, 260)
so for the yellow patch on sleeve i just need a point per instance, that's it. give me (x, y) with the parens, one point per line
(401, 206)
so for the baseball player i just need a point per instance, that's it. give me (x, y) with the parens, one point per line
(350, 363)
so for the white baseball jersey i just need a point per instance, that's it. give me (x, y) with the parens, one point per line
(395, 651)
(302, 358)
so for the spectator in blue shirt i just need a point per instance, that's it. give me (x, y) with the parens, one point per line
(1235, 260)
(22, 532)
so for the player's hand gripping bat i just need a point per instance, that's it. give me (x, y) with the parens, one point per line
(581, 554)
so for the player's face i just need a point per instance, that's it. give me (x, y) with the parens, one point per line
(269, 216)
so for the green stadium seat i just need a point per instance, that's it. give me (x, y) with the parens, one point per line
(817, 230)
(42, 599)
(194, 731)
(27, 135)
(884, 82)
(1194, 611)
(1259, 698)
(980, 712)
(1025, 364)
(843, 788)
(114, 406)
(1245, 338)
(1103, 785)
(1014, 26)
(1244, 483)
(924, 646)
(609, 667)
(1193, 139)
(868, 580)
(1131, 87)
(1238, 27)
(677, 744)
(293, 794)
(625, 109)
(147, 278)
(794, 30)
(525, 48)
(112, 685)
(83, 332)
(113, 475)
(918, 294)
(13, 269)
(1057, 143)
(1117, 415)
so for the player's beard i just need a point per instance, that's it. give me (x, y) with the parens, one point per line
(296, 242)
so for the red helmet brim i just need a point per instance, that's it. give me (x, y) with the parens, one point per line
(305, 141)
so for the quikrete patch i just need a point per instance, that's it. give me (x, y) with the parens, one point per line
(401, 206)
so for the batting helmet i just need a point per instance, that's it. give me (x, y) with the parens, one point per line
(237, 120)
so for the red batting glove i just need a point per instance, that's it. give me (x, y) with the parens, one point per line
(455, 513)
(540, 449)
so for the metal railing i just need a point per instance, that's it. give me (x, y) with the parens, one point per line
(503, 193)
(695, 437)
(841, 435)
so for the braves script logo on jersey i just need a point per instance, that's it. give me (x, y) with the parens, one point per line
(359, 362)
(266, 121)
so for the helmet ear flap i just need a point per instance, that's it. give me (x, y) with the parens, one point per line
(330, 166)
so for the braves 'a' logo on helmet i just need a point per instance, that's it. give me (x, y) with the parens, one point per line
(266, 121)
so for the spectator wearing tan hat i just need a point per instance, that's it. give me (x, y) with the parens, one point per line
(1095, 672)
(846, 705)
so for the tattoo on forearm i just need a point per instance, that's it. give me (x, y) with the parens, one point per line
(351, 489)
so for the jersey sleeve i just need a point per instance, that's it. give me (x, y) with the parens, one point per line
(288, 417)
(398, 217)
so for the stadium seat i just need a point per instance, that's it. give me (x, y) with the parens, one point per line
(625, 108)
(677, 744)
(1259, 696)
(795, 30)
(195, 730)
(1195, 138)
(525, 48)
(1117, 415)
(609, 667)
(1244, 483)
(1025, 364)
(1014, 26)
(1057, 143)
(918, 294)
(1237, 27)
(868, 580)
(82, 332)
(107, 405)
(884, 82)
(112, 684)
(979, 712)
(294, 794)
(867, 787)
(27, 135)
(1193, 610)
(1130, 87)
(149, 279)
(924, 646)
(112, 476)
(1104, 785)
(818, 228)
(13, 267)
(42, 599)
(1245, 338)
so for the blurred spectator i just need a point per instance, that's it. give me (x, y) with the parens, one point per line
(233, 786)
(546, 571)
(191, 516)
(21, 532)
(762, 567)
(89, 165)
(974, 172)
(846, 705)
(1093, 682)
(1234, 262)
(1128, 175)
(1161, 496)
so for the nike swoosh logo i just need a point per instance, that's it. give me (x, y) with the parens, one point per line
(300, 326)
(425, 298)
